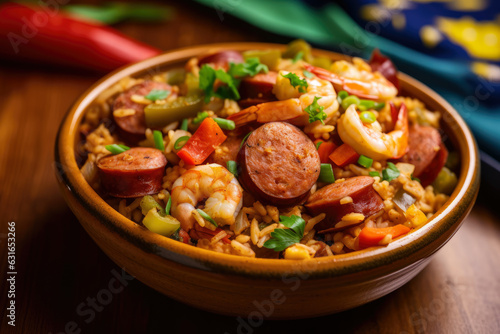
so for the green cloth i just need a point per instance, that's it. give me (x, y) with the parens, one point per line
(331, 27)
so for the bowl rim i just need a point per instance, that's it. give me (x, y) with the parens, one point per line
(455, 209)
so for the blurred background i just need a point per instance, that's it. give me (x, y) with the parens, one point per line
(51, 51)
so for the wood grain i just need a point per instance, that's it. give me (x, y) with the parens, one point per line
(59, 267)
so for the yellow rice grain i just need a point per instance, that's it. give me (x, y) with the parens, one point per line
(386, 240)
(337, 247)
(346, 200)
(261, 210)
(241, 249)
(199, 219)
(313, 221)
(254, 231)
(273, 212)
(242, 238)
(267, 230)
(262, 240)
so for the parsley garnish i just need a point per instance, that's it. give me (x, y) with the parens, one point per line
(391, 172)
(157, 94)
(307, 74)
(296, 81)
(282, 238)
(231, 78)
(250, 67)
(315, 111)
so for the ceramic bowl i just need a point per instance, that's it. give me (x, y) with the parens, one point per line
(262, 288)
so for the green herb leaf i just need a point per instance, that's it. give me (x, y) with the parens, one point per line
(206, 81)
(315, 111)
(250, 67)
(390, 173)
(295, 81)
(415, 178)
(207, 217)
(231, 90)
(157, 94)
(116, 148)
(298, 57)
(282, 238)
(318, 144)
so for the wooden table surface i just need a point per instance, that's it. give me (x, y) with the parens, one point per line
(59, 267)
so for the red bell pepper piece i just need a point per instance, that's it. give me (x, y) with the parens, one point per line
(45, 35)
(381, 63)
(431, 172)
(344, 155)
(184, 235)
(370, 236)
(324, 150)
(202, 143)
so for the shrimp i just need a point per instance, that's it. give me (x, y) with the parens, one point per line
(356, 80)
(213, 183)
(369, 141)
(291, 104)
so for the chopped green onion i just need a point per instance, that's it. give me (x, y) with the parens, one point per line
(158, 138)
(368, 104)
(184, 125)
(298, 57)
(391, 172)
(207, 217)
(307, 74)
(244, 139)
(379, 105)
(225, 124)
(200, 117)
(179, 143)
(117, 149)
(373, 174)
(169, 205)
(351, 99)
(365, 161)
(318, 144)
(157, 94)
(326, 174)
(232, 166)
(343, 94)
(367, 117)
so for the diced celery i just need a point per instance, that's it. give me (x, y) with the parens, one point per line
(148, 203)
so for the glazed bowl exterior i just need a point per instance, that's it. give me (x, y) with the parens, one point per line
(265, 288)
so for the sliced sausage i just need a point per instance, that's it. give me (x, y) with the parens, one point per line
(259, 86)
(226, 151)
(279, 164)
(133, 173)
(365, 200)
(423, 146)
(133, 127)
(221, 59)
(431, 172)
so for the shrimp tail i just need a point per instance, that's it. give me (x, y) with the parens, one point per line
(351, 86)
(245, 116)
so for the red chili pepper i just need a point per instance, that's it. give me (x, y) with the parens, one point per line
(45, 35)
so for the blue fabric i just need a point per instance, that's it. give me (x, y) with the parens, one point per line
(446, 67)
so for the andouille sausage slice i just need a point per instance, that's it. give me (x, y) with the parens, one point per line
(279, 164)
(133, 127)
(226, 151)
(221, 59)
(424, 143)
(133, 173)
(365, 200)
(260, 86)
(428, 175)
